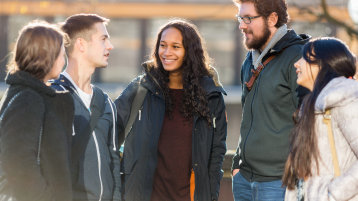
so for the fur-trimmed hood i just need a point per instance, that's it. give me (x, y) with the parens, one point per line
(338, 92)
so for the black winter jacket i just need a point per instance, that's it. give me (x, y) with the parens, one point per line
(28, 107)
(140, 150)
(96, 173)
(267, 111)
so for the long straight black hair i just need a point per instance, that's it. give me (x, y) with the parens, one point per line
(334, 60)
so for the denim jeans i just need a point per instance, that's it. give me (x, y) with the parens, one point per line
(244, 190)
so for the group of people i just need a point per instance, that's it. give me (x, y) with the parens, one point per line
(61, 136)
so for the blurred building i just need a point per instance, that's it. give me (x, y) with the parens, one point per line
(133, 28)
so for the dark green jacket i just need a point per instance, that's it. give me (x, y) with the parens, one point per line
(267, 111)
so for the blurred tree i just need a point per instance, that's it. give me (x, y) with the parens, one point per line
(324, 15)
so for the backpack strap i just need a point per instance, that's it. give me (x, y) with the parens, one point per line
(327, 119)
(136, 105)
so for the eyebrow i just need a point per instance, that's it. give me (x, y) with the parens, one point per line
(176, 43)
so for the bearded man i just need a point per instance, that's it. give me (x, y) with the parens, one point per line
(270, 96)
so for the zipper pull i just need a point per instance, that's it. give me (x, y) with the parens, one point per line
(139, 115)
(214, 123)
(73, 130)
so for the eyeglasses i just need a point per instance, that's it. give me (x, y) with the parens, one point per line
(246, 19)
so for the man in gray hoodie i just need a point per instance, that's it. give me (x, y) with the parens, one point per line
(95, 152)
(270, 96)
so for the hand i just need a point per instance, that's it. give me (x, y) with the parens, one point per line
(235, 171)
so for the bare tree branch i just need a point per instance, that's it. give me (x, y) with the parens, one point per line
(324, 15)
(352, 32)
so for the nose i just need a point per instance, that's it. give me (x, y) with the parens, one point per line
(242, 25)
(296, 65)
(167, 51)
(109, 45)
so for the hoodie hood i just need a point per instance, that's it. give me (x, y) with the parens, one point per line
(26, 79)
(291, 38)
(338, 92)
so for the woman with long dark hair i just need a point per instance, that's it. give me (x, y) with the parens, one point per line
(176, 145)
(35, 120)
(331, 108)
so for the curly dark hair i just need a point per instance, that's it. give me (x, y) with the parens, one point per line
(266, 7)
(195, 66)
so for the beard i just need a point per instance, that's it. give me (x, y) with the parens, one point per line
(257, 42)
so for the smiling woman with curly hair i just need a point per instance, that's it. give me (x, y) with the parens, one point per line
(176, 146)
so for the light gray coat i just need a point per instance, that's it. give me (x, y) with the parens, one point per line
(341, 95)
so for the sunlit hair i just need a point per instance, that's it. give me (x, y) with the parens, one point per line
(37, 48)
(81, 26)
(334, 60)
(266, 7)
(195, 66)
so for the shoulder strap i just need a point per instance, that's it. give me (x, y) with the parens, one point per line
(136, 105)
(328, 122)
(255, 73)
(96, 113)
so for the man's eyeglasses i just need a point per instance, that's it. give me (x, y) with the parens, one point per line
(246, 19)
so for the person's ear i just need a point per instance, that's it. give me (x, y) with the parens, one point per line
(80, 44)
(272, 19)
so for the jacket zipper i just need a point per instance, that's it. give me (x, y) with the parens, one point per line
(73, 130)
(99, 164)
(252, 119)
(194, 163)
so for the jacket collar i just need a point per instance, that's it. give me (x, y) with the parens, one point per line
(96, 101)
(62, 80)
(26, 79)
